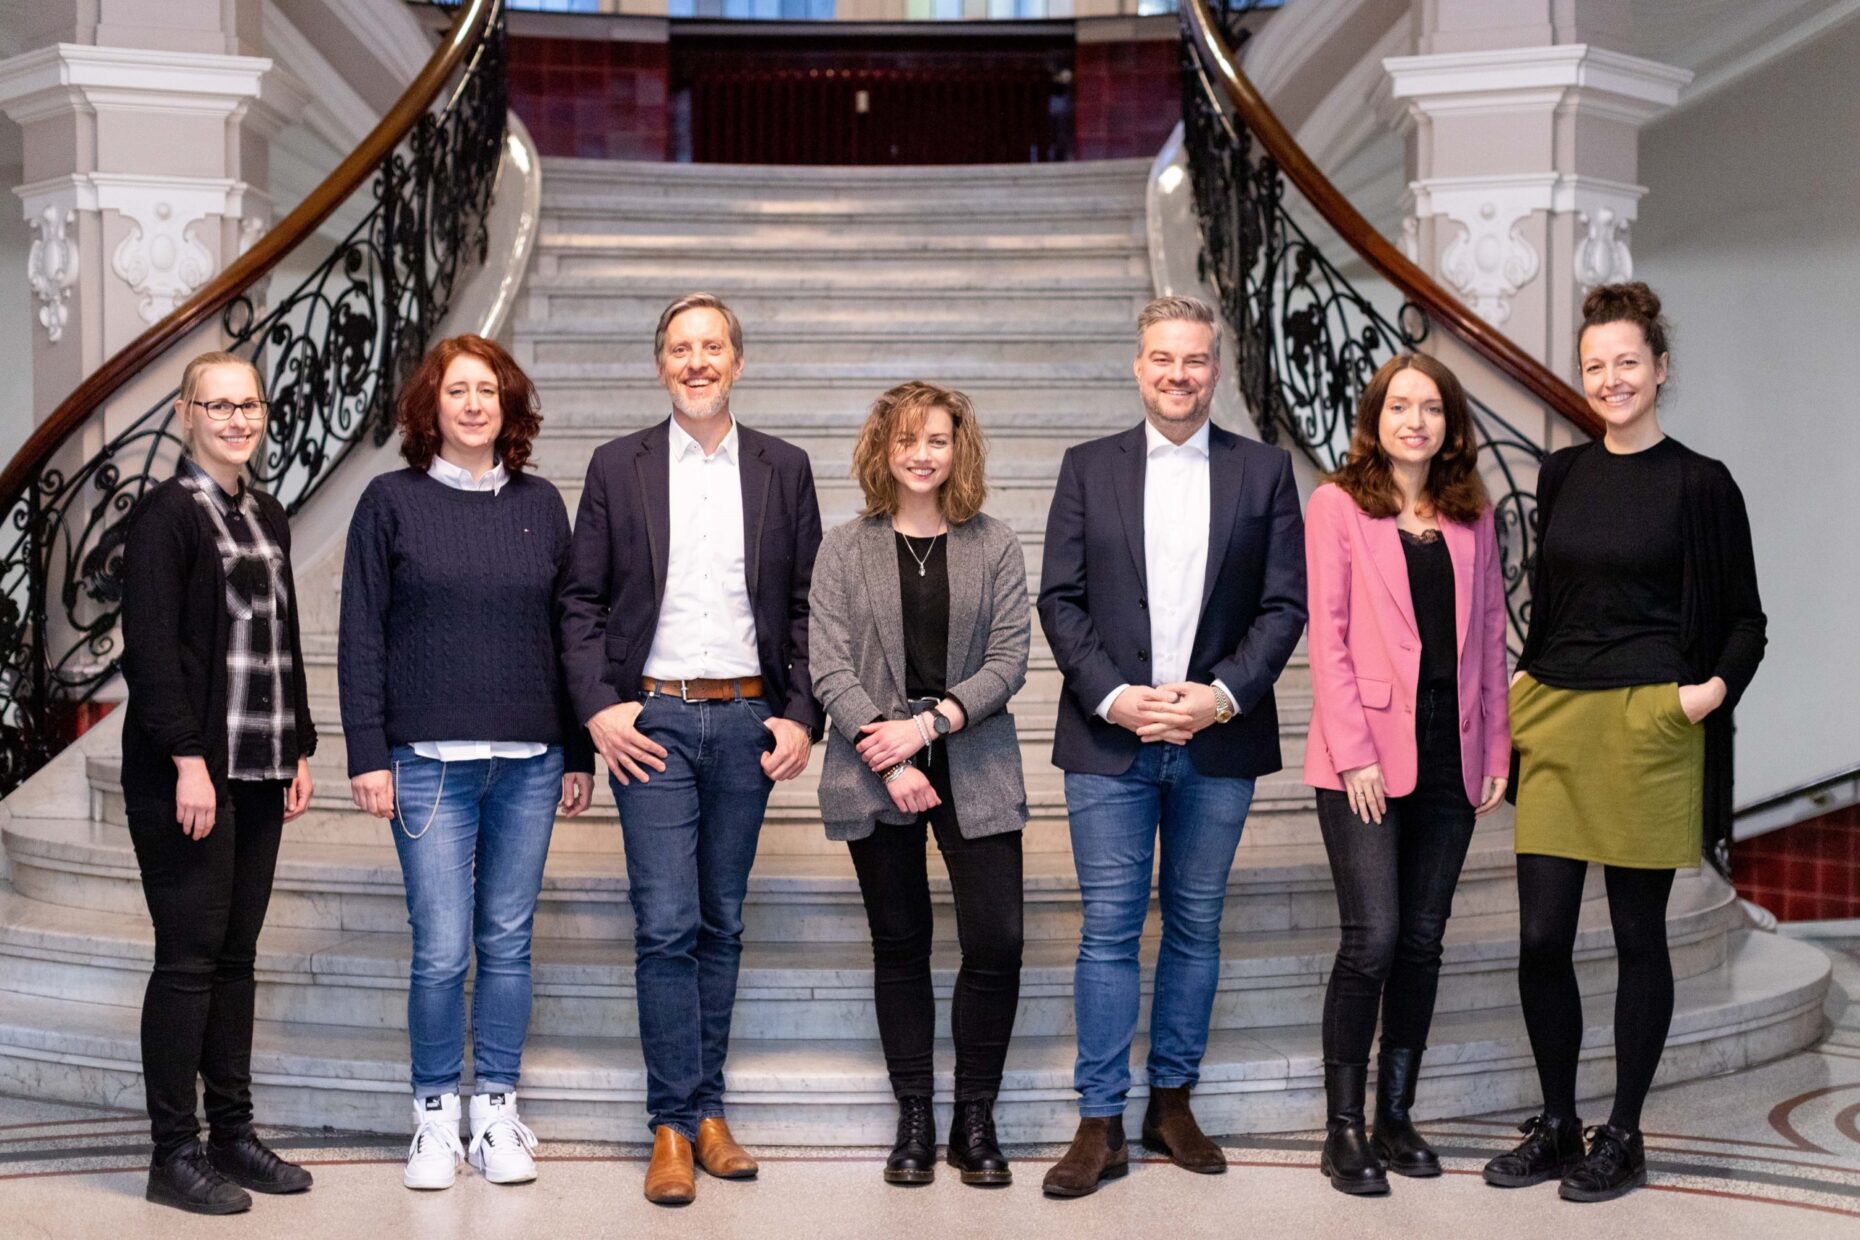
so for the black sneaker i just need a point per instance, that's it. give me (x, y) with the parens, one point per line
(1616, 1164)
(187, 1181)
(1550, 1149)
(249, 1163)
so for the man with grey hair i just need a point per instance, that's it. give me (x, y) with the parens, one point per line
(684, 635)
(1172, 595)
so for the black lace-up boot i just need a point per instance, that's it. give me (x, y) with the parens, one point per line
(1551, 1147)
(913, 1157)
(973, 1150)
(1615, 1164)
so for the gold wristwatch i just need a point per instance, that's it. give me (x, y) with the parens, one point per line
(1223, 705)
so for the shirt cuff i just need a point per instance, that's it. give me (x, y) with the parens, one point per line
(1229, 694)
(1104, 708)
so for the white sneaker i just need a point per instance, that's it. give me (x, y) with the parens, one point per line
(434, 1157)
(500, 1144)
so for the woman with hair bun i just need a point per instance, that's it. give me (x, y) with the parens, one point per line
(1408, 738)
(460, 732)
(1646, 628)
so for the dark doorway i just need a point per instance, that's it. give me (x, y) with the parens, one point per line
(824, 98)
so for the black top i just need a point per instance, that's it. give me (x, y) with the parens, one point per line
(1430, 584)
(1722, 628)
(176, 639)
(450, 611)
(925, 595)
(1616, 573)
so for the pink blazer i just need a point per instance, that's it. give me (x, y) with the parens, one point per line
(1366, 649)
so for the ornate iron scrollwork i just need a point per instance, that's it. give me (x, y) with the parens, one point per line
(1307, 340)
(333, 352)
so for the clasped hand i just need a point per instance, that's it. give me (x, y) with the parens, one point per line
(1170, 713)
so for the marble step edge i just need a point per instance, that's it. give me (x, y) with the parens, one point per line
(574, 211)
(1764, 1002)
(1007, 178)
(1128, 290)
(909, 331)
(839, 246)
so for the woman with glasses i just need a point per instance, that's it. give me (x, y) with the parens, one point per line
(459, 731)
(216, 744)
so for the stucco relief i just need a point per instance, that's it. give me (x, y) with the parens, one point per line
(1491, 259)
(52, 266)
(1602, 255)
(161, 258)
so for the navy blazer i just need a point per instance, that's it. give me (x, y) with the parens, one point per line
(1094, 604)
(617, 567)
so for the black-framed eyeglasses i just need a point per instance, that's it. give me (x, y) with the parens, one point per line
(221, 410)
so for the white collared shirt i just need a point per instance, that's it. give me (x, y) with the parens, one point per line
(706, 625)
(460, 479)
(1175, 552)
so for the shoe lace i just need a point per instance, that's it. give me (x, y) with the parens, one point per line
(1539, 1137)
(915, 1121)
(978, 1126)
(442, 1134)
(1608, 1153)
(517, 1130)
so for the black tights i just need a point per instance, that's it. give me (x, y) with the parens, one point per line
(1549, 903)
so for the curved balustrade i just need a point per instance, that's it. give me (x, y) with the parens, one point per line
(1307, 340)
(332, 352)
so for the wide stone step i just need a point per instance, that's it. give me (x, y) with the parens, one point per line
(817, 990)
(777, 268)
(976, 244)
(956, 187)
(793, 402)
(806, 219)
(920, 352)
(87, 864)
(1764, 1002)
(637, 304)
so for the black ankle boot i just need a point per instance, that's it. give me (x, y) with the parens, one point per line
(249, 1163)
(1615, 1164)
(913, 1157)
(187, 1181)
(1551, 1147)
(973, 1150)
(1349, 1160)
(1401, 1149)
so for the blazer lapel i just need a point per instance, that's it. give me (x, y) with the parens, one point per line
(756, 474)
(1225, 474)
(965, 595)
(653, 469)
(1127, 488)
(879, 551)
(1391, 564)
(1461, 548)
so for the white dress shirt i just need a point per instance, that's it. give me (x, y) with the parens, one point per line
(460, 479)
(1175, 552)
(706, 626)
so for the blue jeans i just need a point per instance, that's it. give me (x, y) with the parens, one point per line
(472, 839)
(1114, 822)
(691, 834)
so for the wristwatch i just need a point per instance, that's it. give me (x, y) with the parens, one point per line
(1223, 707)
(939, 722)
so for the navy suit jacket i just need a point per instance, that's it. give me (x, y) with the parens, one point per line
(1094, 604)
(618, 559)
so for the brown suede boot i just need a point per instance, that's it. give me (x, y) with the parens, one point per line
(670, 1180)
(1099, 1153)
(1169, 1127)
(720, 1155)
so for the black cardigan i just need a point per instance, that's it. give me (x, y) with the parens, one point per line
(175, 634)
(1722, 629)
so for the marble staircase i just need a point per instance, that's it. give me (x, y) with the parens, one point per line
(1018, 285)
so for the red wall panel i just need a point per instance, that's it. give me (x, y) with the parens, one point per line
(591, 98)
(1127, 98)
(1808, 872)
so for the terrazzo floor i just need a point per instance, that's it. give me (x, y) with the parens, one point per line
(1773, 1151)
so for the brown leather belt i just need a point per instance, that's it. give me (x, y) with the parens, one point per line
(704, 690)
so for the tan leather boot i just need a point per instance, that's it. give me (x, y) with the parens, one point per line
(670, 1180)
(720, 1155)
(1099, 1153)
(1169, 1127)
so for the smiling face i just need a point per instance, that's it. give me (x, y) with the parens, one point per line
(1177, 367)
(231, 443)
(1620, 375)
(921, 461)
(698, 364)
(1413, 427)
(471, 413)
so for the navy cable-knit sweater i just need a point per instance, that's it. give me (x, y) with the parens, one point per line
(449, 619)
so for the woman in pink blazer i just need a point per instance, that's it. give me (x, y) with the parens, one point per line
(1409, 737)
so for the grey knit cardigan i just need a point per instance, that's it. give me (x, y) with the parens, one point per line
(855, 643)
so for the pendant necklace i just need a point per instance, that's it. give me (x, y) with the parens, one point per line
(924, 559)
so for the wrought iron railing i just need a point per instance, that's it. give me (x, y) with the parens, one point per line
(332, 352)
(1306, 339)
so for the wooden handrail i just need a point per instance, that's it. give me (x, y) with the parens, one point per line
(1413, 283)
(467, 29)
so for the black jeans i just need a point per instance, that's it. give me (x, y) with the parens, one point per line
(1395, 884)
(985, 878)
(208, 899)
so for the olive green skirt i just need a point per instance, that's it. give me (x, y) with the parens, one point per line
(1609, 775)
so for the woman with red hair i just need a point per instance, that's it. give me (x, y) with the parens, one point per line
(459, 730)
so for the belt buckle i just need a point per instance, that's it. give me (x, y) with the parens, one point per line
(684, 693)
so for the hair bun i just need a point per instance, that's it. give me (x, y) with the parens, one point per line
(1631, 301)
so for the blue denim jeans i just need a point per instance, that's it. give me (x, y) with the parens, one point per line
(472, 838)
(1115, 821)
(691, 834)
